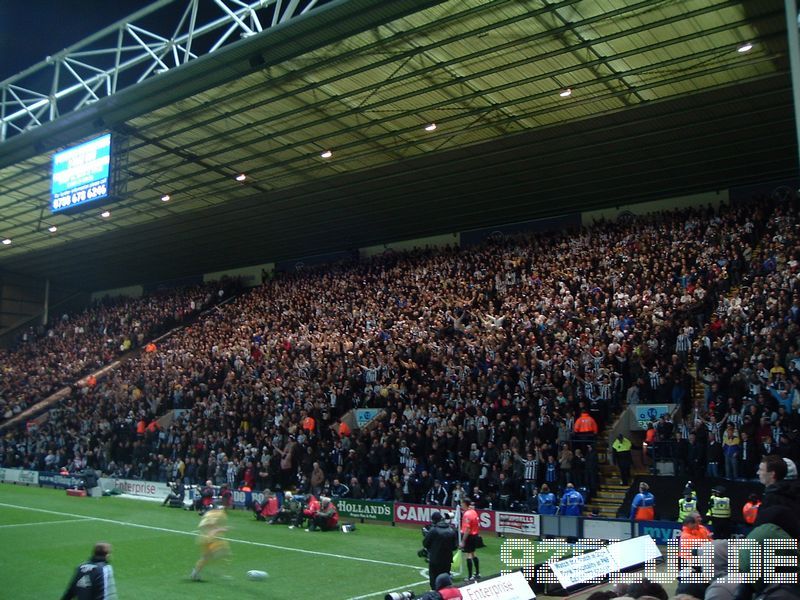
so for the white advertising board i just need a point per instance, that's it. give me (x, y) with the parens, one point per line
(519, 523)
(151, 490)
(513, 586)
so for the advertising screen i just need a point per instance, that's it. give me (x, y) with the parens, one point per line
(81, 174)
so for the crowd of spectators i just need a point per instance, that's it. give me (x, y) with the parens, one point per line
(482, 358)
(47, 358)
(748, 361)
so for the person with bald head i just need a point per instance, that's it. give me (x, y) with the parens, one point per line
(94, 579)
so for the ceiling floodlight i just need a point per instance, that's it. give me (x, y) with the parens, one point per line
(52, 229)
(241, 177)
(105, 214)
(165, 198)
(746, 47)
(7, 242)
(566, 93)
(431, 127)
(327, 154)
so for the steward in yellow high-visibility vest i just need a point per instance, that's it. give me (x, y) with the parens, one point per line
(621, 448)
(686, 505)
(719, 510)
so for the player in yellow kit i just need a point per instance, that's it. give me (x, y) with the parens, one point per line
(212, 526)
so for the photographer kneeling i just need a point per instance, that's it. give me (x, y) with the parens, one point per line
(176, 495)
(440, 542)
(289, 512)
(326, 518)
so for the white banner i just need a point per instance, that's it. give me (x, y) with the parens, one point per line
(513, 586)
(19, 476)
(520, 523)
(141, 489)
(633, 552)
(582, 568)
(612, 558)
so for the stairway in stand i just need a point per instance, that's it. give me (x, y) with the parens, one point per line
(610, 493)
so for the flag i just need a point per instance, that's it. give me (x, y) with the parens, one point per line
(455, 565)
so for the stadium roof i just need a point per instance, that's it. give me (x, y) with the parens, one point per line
(661, 102)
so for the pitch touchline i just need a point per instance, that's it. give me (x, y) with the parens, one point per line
(45, 523)
(194, 534)
(395, 589)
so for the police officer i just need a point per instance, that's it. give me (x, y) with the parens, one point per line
(440, 542)
(687, 504)
(643, 506)
(719, 509)
(547, 501)
(571, 502)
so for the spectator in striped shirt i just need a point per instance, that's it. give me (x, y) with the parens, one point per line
(530, 474)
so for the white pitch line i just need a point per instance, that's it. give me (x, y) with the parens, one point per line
(400, 587)
(194, 534)
(44, 523)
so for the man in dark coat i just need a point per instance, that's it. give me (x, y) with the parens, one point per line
(440, 542)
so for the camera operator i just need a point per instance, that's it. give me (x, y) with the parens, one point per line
(206, 499)
(267, 511)
(440, 542)
(176, 495)
(309, 511)
(289, 512)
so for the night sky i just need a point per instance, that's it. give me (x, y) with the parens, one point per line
(30, 30)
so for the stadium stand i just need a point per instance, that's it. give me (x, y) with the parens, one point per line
(473, 354)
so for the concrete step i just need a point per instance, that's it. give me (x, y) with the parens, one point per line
(609, 497)
(612, 487)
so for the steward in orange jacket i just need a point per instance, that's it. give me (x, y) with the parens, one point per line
(750, 509)
(585, 424)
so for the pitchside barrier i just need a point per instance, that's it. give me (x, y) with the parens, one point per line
(500, 522)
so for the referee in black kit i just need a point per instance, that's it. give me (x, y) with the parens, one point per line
(440, 542)
(94, 579)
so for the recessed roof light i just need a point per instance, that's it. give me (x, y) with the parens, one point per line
(241, 177)
(7, 242)
(105, 214)
(165, 198)
(566, 93)
(431, 127)
(746, 47)
(327, 154)
(52, 229)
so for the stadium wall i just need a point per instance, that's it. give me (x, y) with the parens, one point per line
(643, 208)
(434, 241)
(249, 276)
(131, 291)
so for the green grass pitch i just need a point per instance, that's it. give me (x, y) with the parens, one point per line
(45, 534)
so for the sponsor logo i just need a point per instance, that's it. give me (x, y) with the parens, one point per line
(28, 476)
(421, 515)
(135, 488)
(60, 481)
(362, 509)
